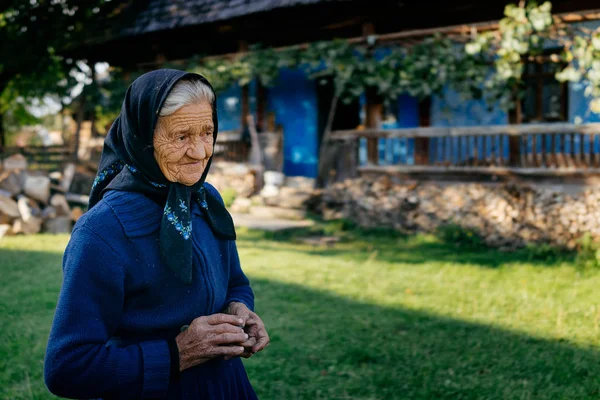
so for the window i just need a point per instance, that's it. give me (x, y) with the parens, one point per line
(545, 98)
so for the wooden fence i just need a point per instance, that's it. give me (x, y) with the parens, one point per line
(558, 149)
(41, 157)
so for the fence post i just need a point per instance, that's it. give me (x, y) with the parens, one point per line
(422, 143)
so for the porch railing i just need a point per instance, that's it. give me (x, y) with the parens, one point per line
(556, 149)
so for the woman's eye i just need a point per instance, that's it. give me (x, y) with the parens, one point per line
(181, 138)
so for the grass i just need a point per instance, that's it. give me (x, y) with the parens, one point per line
(375, 317)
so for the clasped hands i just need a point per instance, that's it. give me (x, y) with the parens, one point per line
(236, 332)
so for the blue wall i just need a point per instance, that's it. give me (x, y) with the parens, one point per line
(294, 101)
(229, 109)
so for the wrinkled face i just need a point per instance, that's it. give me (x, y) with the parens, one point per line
(183, 143)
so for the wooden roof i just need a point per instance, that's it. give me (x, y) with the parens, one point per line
(144, 31)
(172, 14)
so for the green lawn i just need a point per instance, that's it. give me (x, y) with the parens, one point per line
(374, 317)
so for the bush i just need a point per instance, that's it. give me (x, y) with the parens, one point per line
(459, 236)
(588, 255)
(229, 196)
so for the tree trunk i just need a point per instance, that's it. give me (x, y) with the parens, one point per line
(2, 135)
(326, 153)
(80, 115)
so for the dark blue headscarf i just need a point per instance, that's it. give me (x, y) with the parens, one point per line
(128, 164)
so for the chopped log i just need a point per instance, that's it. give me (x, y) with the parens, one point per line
(77, 198)
(37, 187)
(9, 207)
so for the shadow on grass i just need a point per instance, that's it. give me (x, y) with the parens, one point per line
(395, 248)
(325, 346)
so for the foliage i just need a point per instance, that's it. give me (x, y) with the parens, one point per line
(522, 32)
(588, 255)
(459, 236)
(229, 196)
(32, 33)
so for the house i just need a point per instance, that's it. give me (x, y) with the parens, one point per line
(153, 32)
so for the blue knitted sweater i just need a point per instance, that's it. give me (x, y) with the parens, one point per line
(119, 305)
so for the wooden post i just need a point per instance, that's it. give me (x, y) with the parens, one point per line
(2, 135)
(374, 108)
(243, 47)
(374, 113)
(261, 105)
(80, 116)
(514, 142)
(422, 143)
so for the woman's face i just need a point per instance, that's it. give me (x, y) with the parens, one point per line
(183, 143)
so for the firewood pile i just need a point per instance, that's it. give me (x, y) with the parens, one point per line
(36, 201)
(505, 216)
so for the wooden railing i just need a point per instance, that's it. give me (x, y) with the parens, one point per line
(558, 149)
(231, 148)
(41, 157)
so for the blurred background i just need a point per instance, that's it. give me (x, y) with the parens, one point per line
(414, 182)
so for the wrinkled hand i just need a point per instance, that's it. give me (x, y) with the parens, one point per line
(209, 337)
(258, 338)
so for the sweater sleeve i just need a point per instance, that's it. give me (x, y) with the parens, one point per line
(239, 286)
(79, 362)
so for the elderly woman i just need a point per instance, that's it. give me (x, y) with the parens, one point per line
(154, 303)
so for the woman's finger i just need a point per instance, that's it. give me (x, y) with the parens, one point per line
(227, 351)
(249, 343)
(225, 328)
(262, 340)
(229, 338)
(216, 319)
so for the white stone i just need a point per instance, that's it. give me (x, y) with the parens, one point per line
(38, 188)
(5, 229)
(17, 161)
(9, 207)
(59, 202)
(31, 227)
(12, 182)
(241, 205)
(58, 225)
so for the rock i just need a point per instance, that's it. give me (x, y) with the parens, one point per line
(48, 212)
(5, 230)
(9, 207)
(289, 198)
(76, 213)
(257, 200)
(300, 182)
(37, 187)
(12, 181)
(68, 176)
(58, 225)
(17, 161)
(241, 205)
(273, 178)
(28, 208)
(277, 212)
(59, 202)
(31, 227)
(269, 191)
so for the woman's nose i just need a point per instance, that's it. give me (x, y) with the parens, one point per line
(197, 150)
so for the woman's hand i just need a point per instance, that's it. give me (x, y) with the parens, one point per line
(258, 338)
(209, 337)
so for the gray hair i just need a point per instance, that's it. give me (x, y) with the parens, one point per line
(186, 92)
